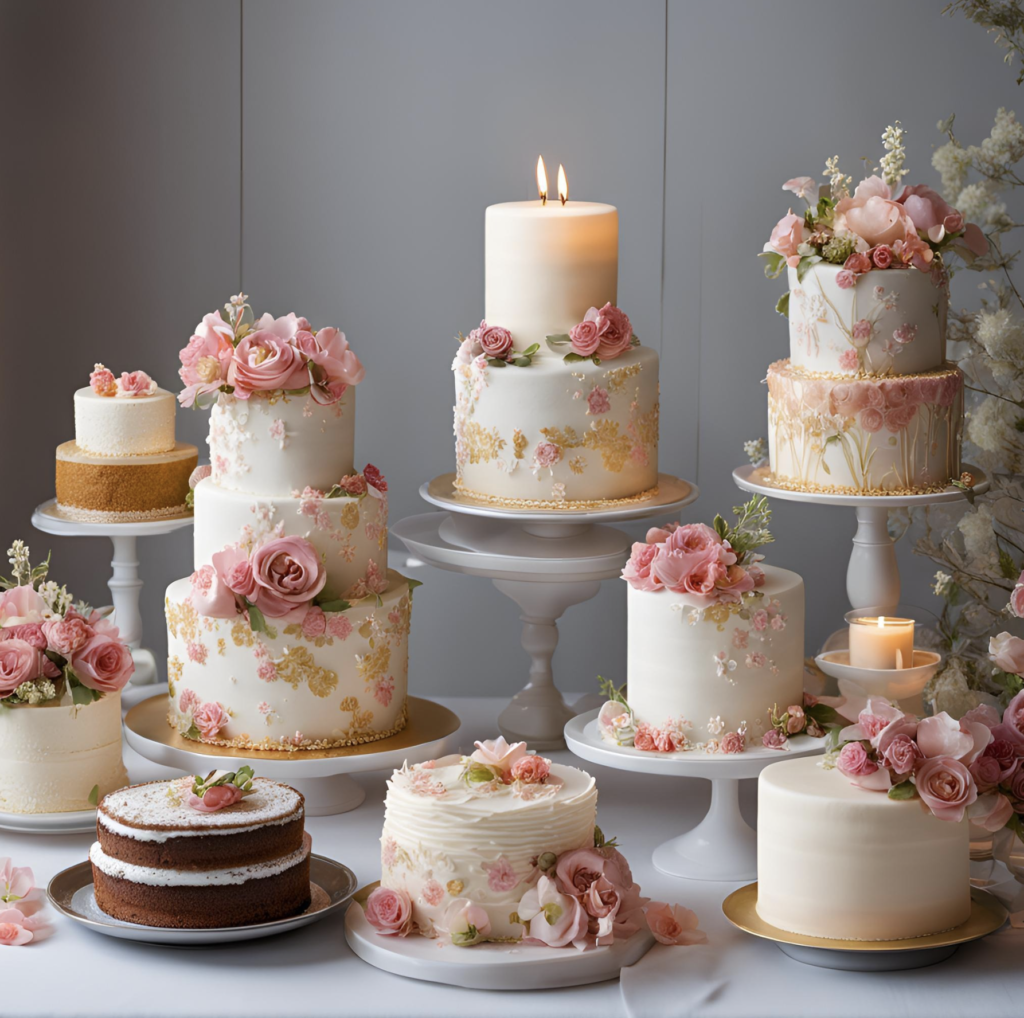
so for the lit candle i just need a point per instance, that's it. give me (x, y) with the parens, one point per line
(881, 642)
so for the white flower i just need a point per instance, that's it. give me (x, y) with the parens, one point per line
(942, 584)
(952, 161)
(756, 450)
(716, 725)
(1001, 333)
(982, 552)
(723, 664)
(979, 203)
(992, 427)
(892, 165)
(239, 299)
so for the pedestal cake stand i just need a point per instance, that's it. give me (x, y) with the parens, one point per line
(322, 776)
(546, 560)
(723, 846)
(125, 584)
(873, 576)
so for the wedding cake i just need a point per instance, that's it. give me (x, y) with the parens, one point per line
(556, 403)
(124, 463)
(291, 633)
(866, 403)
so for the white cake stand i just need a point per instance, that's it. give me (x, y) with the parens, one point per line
(873, 576)
(125, 584)
(723, 846)
(323, 777)
(544, 560)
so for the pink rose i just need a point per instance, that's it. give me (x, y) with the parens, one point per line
(789, 233)
(732, 742)
(598, 401)
(902, 754)
(845, 279)
(288, 573)
(20, 605)
(31, 632)
(584, 336)
(774, 739)
(262, 362)
(986, 773)
(19, 662)
(928, 211)
(697, 573)
(1012, 727)
(898, 419)
(854, 762)
(946, 787)
(103, 663)
(135, 383)
(673, 924)
(1007, 653)
(496, 341)
(389, 912)
(210, 594)
(18, 929)
(871, 420)
(991, 811)
(616, 332)
(314, 624)
(576, 870)
(552, 917)
(873, 217)
(65, 636)
(698, 537)
(882, 256)
(331, 364)
(1017, 598)
(210, 718)
(102, 381)
(531, 770)
(215, 798)
(353, 484)
(858, 263)
(547, 454)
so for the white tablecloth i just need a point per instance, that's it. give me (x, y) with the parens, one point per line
(312, 972)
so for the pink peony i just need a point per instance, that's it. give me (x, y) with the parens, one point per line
(211, 596)
(288, 574)
(945, 787)
(872, 215)
(673, 924)
(694, 573)
(615, 330)
(552, 917)
(531, 769)
(31, 632)
(314, 624)
(18, 929)
(732, 742)
(584, 337)
(598, 401)
(20, 605)
(389, 912)
(339, 626)
(1007, 653)
(331, 365)
(547, 454)
(849, 361)
(991, 811)
(774, 739)
(102, 381)
(789, 233)
(495, 341)
(986, 773)
(135, 383)
(210, 718)
(929, 212)
(858, 263)
(353, 484)
(215, 798)
(206, 358)
(263, 362)
(498, 754)
(882, 256)
(901, 754)
(845, 279)
(103, 663)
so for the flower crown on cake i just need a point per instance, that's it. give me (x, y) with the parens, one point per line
(131, 384)
(233, 352)
(51, 647)
(874, 228)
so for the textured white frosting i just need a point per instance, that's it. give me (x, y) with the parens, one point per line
(904, 301)
(602, 417)
(453, 842)
(351, 534)
(545, 265)
(51, 757)
(836, 861)
(122, 425)
(271, 445)
(673, 666)
(161, 877)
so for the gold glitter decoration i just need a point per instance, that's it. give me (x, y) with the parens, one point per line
(298, 667)
(455, 887)
(617, 378)
(221, 646)
(242, 635)
(296, 632)
(646, 425)
(785, 366)
(350, 516)
(182, 618)
(578, 464)
(175, 666)
(519, 443)
(568, 505)
(840, 489)
(376, 663)
(602, 437)
(481, 444)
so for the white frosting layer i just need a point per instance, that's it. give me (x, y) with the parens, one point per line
(890, 322)
(124, 426)
(271, 445)
(555, 431)
(52, 756)
(345, 684)
(545, 265)
(350, 533)
(836, 861)
(471, 844)
(157, 877)
(732, 663)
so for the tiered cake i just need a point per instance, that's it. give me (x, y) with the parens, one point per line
(556, 404)
(291, 633)
(124, 463)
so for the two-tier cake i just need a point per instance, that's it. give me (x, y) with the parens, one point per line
(291, 633)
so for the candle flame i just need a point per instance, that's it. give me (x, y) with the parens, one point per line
(881, 621)
(542, 180)
(563, 185)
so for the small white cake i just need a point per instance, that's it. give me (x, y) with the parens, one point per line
(124, 425)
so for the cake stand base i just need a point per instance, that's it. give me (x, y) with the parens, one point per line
(723, 846)
(322, 776)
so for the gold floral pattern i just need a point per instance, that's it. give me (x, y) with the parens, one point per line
(602, 437)
(617, 378)
(241, 634)
(350, 515)
(481, 444)
(519, 443)
(297, 666)
(182, 620)
(578, 464)
(175, 667)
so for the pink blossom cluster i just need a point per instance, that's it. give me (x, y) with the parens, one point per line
(130, 385)
(690, 559)
(209, 718)
(510, 762)
(37, 644)
(494, 341)
(276, 354)
(20, 902)
(605, 333)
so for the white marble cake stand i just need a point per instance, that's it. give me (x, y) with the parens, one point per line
(323, 777)
(723, 846)
(873, 576)
(544, 560)
(125, 584)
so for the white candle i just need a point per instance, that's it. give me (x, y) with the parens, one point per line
(881, 642)
(545, 264)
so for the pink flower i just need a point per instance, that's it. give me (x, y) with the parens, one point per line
(615, 331)
(802, 187)
(339, 626)
(901, 754)
(759, 620)
(288, 573)
(1007, 653)
(20, 605)
(263, 362)
(734, 584)
(206, 358)
(211, 596)
(501, 876)
(854, 762)
(941, 736)
(1012, 727)
(732, 742)
(871, 420)
(774, 739)
(862, 330)
(18, 929)
(353, 484)
(584, 336)
(547, 454)
(31, 632)
(986, 773)
(695, 573)
(928, 211)
(673, 924)
(598, 401)
(905, 333)
(102, 381)
(872, 216)
(945, 787)
(796, 722)
(789, 233)
(1017, 598)
(389, 852)
(498, 754)
(384, 689)
(466, 922)
(188, 701)
(103, 663)
(331, 365)
(374, 477)
(531, 769)
(495, 341)
(658, 535)
(914, 251)
(433, 893)
(215, 798)
(210, 718)
(552, 917)
(858, 263)
(845, 279)
(389, 912)
(16, 882)
(882, 256)
(314, 624)
(991, 811)
(135, 383)
(637, 572)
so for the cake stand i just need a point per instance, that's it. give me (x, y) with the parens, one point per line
(873, 576)
(545, 561)
(723, 846)
(322, 776)
(125, 584)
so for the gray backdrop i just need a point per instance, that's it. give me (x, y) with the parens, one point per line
(335, 159)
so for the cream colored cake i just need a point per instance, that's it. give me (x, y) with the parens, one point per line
(124, 425)
(839, 862)
(59, 757)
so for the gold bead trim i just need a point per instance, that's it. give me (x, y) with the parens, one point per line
(100, 516)
(565, 506)
(785, 366)
(841, 489)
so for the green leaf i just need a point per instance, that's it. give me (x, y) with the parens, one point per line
(608, 688)
(94, 795)
(573, 358)
(494, 362)
(1006, 566)
(774, 263)
(827, 717)
(634, 340)
(338, 604)
(945, 126)
(904, 790)
(257, 622)
(783, 305)
(805, 266)
(523, 362)
(413, 584)
(83, 694)
(560, 340)
(531, 349)
(190, 498)
(967, 490)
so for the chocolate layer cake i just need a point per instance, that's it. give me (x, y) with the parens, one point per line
(160, 862)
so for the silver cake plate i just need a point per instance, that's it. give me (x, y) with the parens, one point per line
(332, 886)
(76, 822)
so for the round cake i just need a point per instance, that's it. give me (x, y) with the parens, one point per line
(840, 862)
(159, 861)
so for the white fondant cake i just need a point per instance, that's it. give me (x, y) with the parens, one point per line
(124, 425)
(843, 863)
(52, 755)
